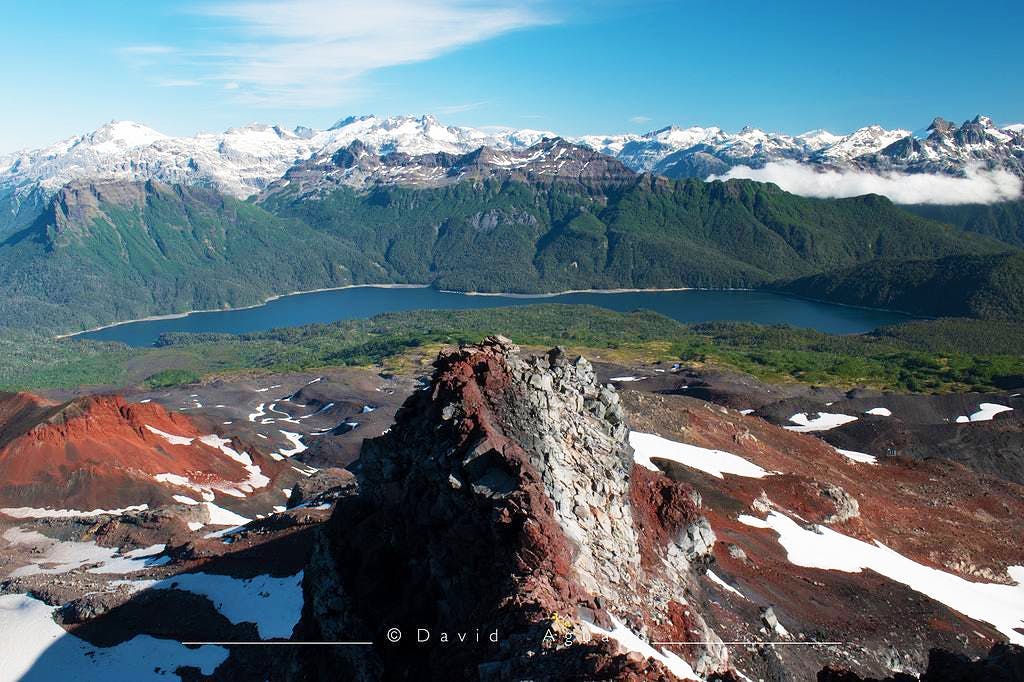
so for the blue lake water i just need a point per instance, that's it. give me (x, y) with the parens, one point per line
(359, 302)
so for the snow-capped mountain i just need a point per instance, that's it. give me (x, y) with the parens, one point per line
(867, 140)
(419, 135)
(239, 161)
(699, 151)
(945, 148)
(243, 161)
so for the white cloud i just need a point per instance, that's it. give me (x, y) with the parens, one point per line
(976, 187)
(313, 52)
(458, 108)
(640, 119)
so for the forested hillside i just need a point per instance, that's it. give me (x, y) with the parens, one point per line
(102, 253)
(114, 252)
(990, 287)
(495, 236)
(1003, 221)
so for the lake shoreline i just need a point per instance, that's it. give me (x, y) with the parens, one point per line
(540, 297)
(269, 299)
(275, 297)
(811, 299)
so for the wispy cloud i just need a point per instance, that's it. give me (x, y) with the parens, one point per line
(640, 119)
(146, 50)
(976, 187)
(457, 108)
(315, 52)
(177, 83)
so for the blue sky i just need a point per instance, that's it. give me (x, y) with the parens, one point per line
(572, 67)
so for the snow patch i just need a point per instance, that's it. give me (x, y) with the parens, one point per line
(880, 412)
(823, 422)
(724, 585)
(53, 557)
(648, 446)
(274, 605)
(35, 647)
(297, 445)
(629, 641)
(170, 437)
(1002, 606)
(986, 411)
(260, 411)
(862, 457)
(45, 513)
(219, 516)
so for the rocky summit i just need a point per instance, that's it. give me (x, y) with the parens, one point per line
(505, 503)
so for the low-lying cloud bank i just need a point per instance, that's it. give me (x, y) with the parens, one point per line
(978, 187)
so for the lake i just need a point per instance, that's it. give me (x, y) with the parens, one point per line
(358, 302)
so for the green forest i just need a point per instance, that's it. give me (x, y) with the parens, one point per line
(103, 253)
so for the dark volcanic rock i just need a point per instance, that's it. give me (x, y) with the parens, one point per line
(1004, 663)
(326, 485)
(504, 500)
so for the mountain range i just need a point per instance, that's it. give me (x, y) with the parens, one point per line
(242, 161)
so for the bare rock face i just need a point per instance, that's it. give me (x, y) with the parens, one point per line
(504, 504)
(846, 506)
(548, 161)
(325, 486)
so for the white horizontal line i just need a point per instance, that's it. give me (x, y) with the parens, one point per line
(752, 642)
(279, 643)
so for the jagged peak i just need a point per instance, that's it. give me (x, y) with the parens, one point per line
(349, 120)
(940, 125)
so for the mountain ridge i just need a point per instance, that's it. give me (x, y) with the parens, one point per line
(243, 160)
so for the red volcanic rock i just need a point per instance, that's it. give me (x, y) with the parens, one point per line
(100, 452)
(20, 412)
(935, 512)
(662, 509)
(503, 500)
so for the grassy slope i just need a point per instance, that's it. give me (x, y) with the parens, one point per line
(927, 356)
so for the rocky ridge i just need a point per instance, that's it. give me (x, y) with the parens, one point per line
(549, 160)
(505, 500)
(946, 148)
